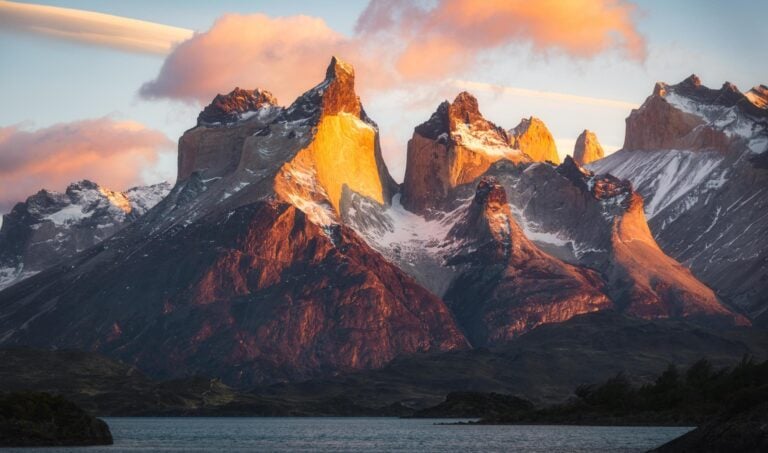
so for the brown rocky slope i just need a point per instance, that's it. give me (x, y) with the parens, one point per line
(244, 271)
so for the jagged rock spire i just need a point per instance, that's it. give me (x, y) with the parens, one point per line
(227, 108)
(454, 147)
(532, 137)
(587, 148)
(340, 96)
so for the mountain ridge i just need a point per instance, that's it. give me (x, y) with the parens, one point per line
(696, 194)
(285, 251)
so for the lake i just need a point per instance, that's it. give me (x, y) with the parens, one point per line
(367, 435)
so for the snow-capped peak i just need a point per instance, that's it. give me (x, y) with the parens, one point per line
(237, 105)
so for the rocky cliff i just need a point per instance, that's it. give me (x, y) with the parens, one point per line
(246, 270)
(285, 250)
(694, 154)
(235, 106)
(587, 148)
(532, 137)
(455, 146)
(506, 284)
(50, 227)
(597, 221)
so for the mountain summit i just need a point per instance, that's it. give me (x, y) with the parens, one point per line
(246, 270)
(532, 137)
(455, 146)
(235, 106)
(587, 148)
(285, 250)
(50, 227)
(699, 157)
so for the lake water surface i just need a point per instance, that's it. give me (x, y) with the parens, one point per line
(365, 435)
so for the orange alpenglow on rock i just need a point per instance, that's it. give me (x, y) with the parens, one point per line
(118, 199)
(758, 96)
(533, 138)
(227, 108)
(345, 149)
(587, 148)
(660, 287)
(454, 147)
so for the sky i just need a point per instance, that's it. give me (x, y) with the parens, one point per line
(106, 96)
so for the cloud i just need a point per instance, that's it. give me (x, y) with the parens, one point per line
(550, 95)
(112, 153)
(397, 42)
(91, 28)
(448, 36)
(285, 55)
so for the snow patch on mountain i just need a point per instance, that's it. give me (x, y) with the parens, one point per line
(487, 142)
(727, 119)
(69, 214)
(59, 225)
(144, 198)
(409, 228)
(536, 233)
(416, 244)
(664, 177)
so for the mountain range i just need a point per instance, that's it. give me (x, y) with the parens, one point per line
(286, 251)
(50, 227)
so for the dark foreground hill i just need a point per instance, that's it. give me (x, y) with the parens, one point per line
(743, 427)
(543, 366)
(31, 419)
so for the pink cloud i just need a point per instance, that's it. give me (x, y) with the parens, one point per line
(284, 55)
(448, 37)
(112, 153)
(396, 42)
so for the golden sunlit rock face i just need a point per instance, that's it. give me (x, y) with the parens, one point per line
(758, 96)
(456, 146)
(533, 138)
(587, 148)
(343, 152)
(659, 287)
(117, 199)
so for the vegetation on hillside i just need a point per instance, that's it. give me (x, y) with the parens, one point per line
(687, 397)
(41, 419)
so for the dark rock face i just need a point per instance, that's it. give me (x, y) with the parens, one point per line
(265, 295)
(229, 108)
(508, 285)
(50, 227)
(597, 221)
(697, 190)
(475, 404)
(743, 428)
(31, 419)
